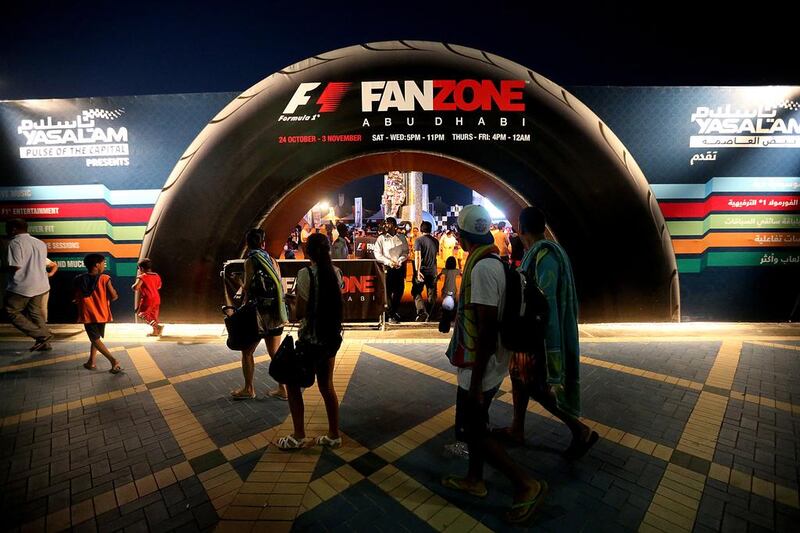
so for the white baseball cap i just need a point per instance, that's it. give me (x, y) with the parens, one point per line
(473, 223)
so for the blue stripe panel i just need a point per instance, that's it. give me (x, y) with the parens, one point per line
(668, 191)
(79, 192)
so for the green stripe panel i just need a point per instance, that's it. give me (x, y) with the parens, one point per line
(114, 267)
(739, 222)
(87, 228)
(689, 265)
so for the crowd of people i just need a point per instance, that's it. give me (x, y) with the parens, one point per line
(549, 375)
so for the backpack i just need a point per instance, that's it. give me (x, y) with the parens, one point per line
(263, 290)
(329, 339)
(525, 312)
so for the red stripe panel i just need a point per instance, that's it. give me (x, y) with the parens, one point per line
(332, 96)
(744, 203)
(88, 210)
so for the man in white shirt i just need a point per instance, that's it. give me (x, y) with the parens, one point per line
(28, 283)
(478, 384)
(448, 245)
(391, 250)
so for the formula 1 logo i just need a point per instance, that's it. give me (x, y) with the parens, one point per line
(328, 101)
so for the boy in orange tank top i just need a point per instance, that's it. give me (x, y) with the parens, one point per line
(93, 296)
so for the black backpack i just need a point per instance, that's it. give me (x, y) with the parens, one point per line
(263, 290)
(525, 312)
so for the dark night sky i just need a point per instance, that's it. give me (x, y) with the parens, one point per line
(61, 49)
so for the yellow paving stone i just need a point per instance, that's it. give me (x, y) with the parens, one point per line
(278, 513)
(688, 511)
(764, 488)
(786, 496)
(678, 497)
(146, 485)
(662, 452)
(222, 502)
(615, 435)
(242, 513)
(430, 507)
(230, 452)
(646, 446)
(463, 523)
(234, 526)
(165, 478)
(285, 500)
(253, 487)
(299, 467)
(404, 489)
(689, 492)
(387, 454)
(81, 512)
(295, 477)
(719, 472)
(392, 482)
(322, 489)
(227, 477)
(105, 502)
(349, 473)
(250, 500)
(740, 480)
(245, 446)
(182, 471)
(337, 482)
(263, 466)
(444, 517)
(630, 440)
(670, 516)
(263, 476)
(681, 481)
(126, 494)
(382, 474)
(291, 488)
(416, 498)
(311, 500)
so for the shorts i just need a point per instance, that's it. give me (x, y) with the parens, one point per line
(95, 330)
(530, 370)
(471, 425)
(274, 332)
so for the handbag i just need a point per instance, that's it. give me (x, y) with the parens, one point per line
(242, 326)
(289, 366)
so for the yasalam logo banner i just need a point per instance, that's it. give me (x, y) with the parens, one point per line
(86, 173)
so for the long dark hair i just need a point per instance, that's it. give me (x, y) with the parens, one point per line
(329, 321)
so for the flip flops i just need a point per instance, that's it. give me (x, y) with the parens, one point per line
(277, 394)
(116, 369)
(527, 508)
(87, 366)
(242, 395)
(459, 484)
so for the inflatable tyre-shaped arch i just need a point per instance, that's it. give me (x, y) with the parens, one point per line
(280, 146)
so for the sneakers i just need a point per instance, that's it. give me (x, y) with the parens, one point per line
(324, 440)
(422, 317)
(457, 449)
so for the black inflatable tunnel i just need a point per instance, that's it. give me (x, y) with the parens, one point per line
(468, 115)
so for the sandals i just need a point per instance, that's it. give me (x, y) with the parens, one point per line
(116, 369)
(87, 366)
(324, 440)
(576, 451)
(505, 436)
(289, 442)
(277, 394)
(529, 507)
(458, 483)
(242, 395)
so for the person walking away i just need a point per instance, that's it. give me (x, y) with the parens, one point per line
(450, 274)
(482, 363)
(271, 315)
(319, 303)
(552, 377)
(340, 246)
(448, 244)
(391, 250)
(517, 249)
(28, 285)
(426, 249)
(93, 294)
(147, 298)
(502, 241)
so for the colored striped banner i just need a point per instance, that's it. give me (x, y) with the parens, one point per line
(730, 203)
(694, 265)
(737, 240)
(77, 210)
(79, 192)
(729, 222)
(685, 191)
(114, 267)
(97, 245)
(86, 228)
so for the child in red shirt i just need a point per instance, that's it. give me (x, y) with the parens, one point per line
(148, 300)
(93, 295)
